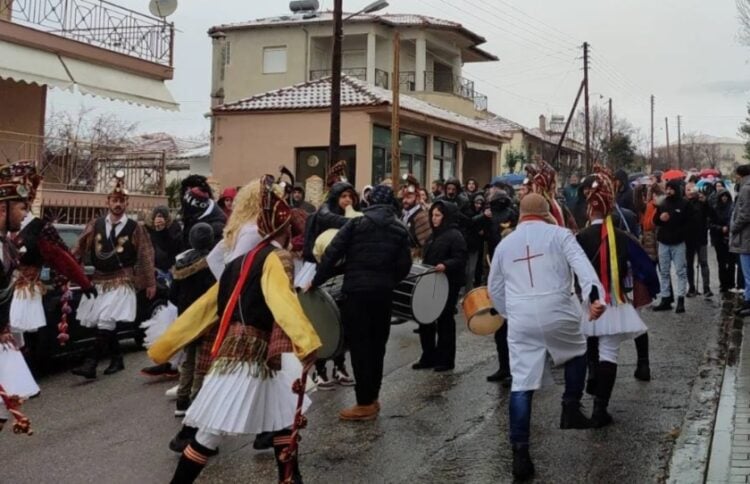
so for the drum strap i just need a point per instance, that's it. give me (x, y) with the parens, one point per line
(226, 318)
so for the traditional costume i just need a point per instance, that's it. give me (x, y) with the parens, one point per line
(541, 179)
(607, 249)
(120, 251)
(248, 389)
(38, 244)
(16, 381)
(531, 283)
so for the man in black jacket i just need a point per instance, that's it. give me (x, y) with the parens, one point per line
(624, 194)
(198, 206)
(454, 193)
(672, 218)
(376, 248)
(697, 240)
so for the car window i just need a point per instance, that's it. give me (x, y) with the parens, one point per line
(70, 236)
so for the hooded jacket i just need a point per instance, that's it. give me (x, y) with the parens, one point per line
(720, 217)
(167, 242)
(328, 216)
(304, 205)
(465, 211)
(504, 216)
(625, 195)
(376, 250)
(674, 231)
(699, 212)
(446, 245)
(739, 242)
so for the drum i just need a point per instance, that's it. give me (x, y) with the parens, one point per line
(334, 287)
(422, 296)
(481, 317)
(323, 312)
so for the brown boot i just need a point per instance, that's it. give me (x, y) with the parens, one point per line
(360, 413)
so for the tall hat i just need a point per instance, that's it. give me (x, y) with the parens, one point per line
(336, 173)
(118, 185)
(410, 183)
(275, 211)
(541, 176)
(22, 173)
(601, 196)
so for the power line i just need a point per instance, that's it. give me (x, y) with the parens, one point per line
(575, 40)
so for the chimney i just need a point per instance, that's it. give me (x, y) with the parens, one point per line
(542, 123)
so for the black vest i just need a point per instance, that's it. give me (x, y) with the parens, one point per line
(112, 255)
(251, 309)
(28, 237)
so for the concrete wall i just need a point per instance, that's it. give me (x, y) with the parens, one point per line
(22, 108)
(450, 102)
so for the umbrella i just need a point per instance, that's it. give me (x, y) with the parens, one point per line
(710, 172)
(673, 175)
(635, 176)
(511, 179)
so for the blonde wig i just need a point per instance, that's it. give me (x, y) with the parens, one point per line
(245, 209)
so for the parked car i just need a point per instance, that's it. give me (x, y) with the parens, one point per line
(42, 347)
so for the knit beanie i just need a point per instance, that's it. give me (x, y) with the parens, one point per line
(160, 210)
(534, 204)
(201, 237)
(382, 195)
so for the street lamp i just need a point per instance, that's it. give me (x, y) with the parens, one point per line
(338, 33)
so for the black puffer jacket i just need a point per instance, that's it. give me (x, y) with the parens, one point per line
(465, 210)
(720, 218)
(376, 248)
(328, 216)
(504, 215)
(215, 218)
(697, 234)
(625, 195)
(446, 245)
(674, 231)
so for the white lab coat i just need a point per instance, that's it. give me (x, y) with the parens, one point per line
(531, 284)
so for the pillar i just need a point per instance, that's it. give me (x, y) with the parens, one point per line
(371, 56)
(421, 62)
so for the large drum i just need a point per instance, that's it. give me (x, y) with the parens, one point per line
(422, 296)
(323, 312)
(481, 316)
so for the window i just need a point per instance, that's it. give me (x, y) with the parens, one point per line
(314, 161)
(413, 159)
(274, 60)
(443, 159)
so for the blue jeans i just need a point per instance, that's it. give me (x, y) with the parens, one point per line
(520, 402)
(745, 264)
(668, 255)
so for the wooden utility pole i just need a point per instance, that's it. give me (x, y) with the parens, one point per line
(669, 157)
(334, 148)
(395, 105)
(556, 158)
(586, 103)
(610, 121)
(651, 161)
(679, 142)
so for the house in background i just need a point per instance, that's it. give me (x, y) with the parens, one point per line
(279, 67)
(703, 151)
(100, 49)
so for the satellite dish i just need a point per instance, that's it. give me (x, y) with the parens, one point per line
(162, 8)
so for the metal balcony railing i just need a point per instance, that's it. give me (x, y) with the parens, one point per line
(355, 72)
(381, 78)
(447, 82)
(98, 23)
(407, 81)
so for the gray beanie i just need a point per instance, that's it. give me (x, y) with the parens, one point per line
(201, 237)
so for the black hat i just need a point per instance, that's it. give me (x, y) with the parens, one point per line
(201, 237)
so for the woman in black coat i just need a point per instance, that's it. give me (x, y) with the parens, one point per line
(720, 217)
(446, 250)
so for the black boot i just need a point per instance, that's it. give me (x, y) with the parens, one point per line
(572, 418)
(500, 375)
(281, 442)
(87, 369)
(115, 364)
(606, 377)
(592, 360)
(664, 305)
(680, 305)
(191, 463)
(523, 468)
(113, 345)
(743, 310)
(263, 440)
(600, 417)
(183, 438)
(643, 371)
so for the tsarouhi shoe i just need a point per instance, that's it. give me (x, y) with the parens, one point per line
(572, 418)
(360, 413)
(523, 468)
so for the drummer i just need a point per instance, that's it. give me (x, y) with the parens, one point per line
(446, 250)
(376, 248)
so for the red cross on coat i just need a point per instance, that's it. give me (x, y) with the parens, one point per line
(528, 258)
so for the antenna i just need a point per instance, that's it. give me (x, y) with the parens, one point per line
(162, 8)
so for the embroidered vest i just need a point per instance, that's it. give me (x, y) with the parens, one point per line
(112, 255)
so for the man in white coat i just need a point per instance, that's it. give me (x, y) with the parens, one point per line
(531, 285)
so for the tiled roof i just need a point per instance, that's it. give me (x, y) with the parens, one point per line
(503, 124)
(354, 93)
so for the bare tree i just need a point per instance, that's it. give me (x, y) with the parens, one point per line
(743, 14)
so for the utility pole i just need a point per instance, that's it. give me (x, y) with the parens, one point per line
(395, 105)
(334, 148)
(679, 142)
(651, 161)
(669, 157)
(586, 102)
(610, 121)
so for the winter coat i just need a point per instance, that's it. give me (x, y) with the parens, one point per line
(465, 210)
(673, 232)
(167, 244)
(376, 249)
(328, 216)
(303, 204)
(215, 218)
(627, 221)
(504, 216)
(625, 195)
(720, 217)
(697, 233)
(191, 279)
(739, 241)
(447, 246)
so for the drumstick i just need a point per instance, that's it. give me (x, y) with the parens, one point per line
(417, 276)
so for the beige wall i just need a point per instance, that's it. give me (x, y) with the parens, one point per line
(249, 145)
(21, 111)
(451, 102)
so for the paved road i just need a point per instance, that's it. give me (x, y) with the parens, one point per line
(433, 428)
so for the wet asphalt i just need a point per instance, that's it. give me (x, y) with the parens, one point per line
(433, 428)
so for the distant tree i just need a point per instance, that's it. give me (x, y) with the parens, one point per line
(515, 159)
(745, 132)
(620, 152)
(172, 192)
(743, 13)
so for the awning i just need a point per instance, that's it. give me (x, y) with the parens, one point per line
(32, 66)
(116, 84)
(482, 147)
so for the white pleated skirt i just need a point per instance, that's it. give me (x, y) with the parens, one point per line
(622, 319)
(27, 311)
(15, 376)
(118, 304)
(238, 403)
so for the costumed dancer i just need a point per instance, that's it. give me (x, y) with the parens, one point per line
(120, 251)
(530, 284)
(542, 180)
(38, 243)
(607, 249)
(248, 389)
(16, 381)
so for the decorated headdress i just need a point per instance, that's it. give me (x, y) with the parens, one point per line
(336, 173)
(275, 211)
(542, 177)
(22, 173)
(118, 185)
(601, 195)
(410, 183)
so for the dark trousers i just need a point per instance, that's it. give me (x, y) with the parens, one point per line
(479, 270)
(726, 262)
(367, 317)
(701, 252)
(444, 352)
(501, 343)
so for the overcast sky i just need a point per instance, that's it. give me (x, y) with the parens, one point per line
(685, 52)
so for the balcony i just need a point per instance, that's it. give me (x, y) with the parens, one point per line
(97, 23)
(381, 77)
(449, 83)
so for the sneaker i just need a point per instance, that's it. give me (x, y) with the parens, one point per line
(341, 376)
(322, 382)
(181, 407)
(172, 392)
